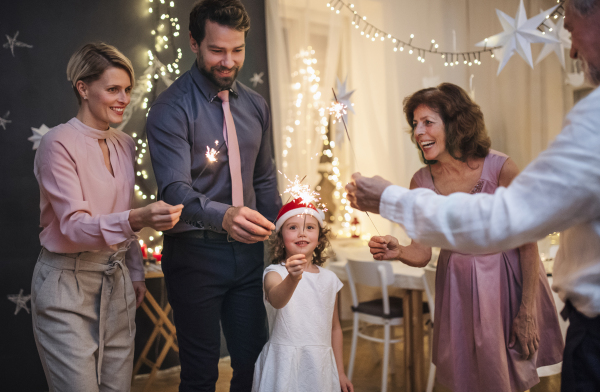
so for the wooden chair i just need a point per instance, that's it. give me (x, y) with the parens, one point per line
(386, 311)
(162, 326)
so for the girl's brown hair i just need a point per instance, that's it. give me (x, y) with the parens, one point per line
(320, 255)
(466, 136)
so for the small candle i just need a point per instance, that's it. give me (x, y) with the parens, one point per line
(144, 248)
(157, 254)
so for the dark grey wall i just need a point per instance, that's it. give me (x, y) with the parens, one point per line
(33, 87)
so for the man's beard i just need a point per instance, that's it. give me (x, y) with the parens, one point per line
(221, 83)
(592, 72)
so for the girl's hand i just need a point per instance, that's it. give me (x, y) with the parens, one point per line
(384, 248)
(345, 383)
(295, 266)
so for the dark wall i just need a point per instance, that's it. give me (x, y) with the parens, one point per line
(33, 87)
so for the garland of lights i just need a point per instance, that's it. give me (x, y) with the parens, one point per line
(450, 58)
(144, 93)
(305, 89)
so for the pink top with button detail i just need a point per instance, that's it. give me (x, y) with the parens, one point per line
(83, 207)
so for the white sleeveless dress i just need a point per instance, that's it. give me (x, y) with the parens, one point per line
(298, 356)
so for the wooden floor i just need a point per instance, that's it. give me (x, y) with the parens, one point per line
(367, 373)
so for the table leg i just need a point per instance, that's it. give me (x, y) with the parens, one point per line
(417, 351)
(406, 302)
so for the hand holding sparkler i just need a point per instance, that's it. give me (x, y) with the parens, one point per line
(364, 193)
(246, 225)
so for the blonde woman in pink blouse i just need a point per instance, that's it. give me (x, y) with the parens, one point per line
(89, 276)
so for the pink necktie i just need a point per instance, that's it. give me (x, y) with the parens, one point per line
(235, 163)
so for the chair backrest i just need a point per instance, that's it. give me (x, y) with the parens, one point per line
(429, 284)
(370, 273)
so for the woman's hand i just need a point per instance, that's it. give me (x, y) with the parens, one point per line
(524, 330)
(295, 266)
(384, 248)
(140, 291)
(345, 383)
(159, 215)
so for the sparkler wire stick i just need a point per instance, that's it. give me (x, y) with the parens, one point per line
(202, 171)
(353, 153)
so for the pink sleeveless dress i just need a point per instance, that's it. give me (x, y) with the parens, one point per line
(477, 298)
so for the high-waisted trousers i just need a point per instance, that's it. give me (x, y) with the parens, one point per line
(83, 307)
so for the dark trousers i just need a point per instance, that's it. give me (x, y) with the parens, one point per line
(581, 360)
(211, 281)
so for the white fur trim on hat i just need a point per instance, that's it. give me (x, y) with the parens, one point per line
(318, 214)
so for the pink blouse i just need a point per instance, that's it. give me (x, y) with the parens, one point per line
(83, 207)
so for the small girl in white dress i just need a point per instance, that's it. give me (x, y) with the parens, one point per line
(304, 351)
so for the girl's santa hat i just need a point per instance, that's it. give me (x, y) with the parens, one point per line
(298, 207)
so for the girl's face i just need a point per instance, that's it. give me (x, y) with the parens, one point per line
(300, 235)
(430, 133)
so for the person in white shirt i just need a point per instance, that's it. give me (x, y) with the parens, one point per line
(558, 191)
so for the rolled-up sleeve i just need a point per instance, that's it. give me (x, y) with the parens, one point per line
(170, 151)
(268, 202)
(59, 181)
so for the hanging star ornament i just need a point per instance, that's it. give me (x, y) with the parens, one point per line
(563, 37)
(20, 300)
(37, 135)
(12, 43)
(343, 95)
(257, 79)
(4, 120)
(518, 35)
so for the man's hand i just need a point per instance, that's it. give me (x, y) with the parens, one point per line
(246, 225)
(364, 193)
(384, 248)
(140, 291)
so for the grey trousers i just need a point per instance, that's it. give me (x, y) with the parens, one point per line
(83, 313)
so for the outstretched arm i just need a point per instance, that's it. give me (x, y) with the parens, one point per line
(279, 291)
(556, 191)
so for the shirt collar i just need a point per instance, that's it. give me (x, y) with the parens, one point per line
(208, 88)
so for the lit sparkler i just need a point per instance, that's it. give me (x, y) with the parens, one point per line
(211, 155)
(338, 109)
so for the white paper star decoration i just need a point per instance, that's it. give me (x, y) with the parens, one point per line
(563, 37)
(37, 135)
(343, 96)
(4, 120)
(20, 300)
(256, 79)
(518, 35)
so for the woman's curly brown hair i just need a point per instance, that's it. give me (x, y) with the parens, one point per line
(466, 136)
(320, 255)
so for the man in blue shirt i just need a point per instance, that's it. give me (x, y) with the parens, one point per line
(213, 258)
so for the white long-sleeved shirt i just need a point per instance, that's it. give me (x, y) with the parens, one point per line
(558, 191)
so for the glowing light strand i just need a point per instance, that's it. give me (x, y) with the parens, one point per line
(451, 58)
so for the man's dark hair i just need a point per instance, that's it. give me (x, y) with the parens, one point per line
(230, 13)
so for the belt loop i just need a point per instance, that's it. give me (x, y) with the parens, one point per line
(77, 263)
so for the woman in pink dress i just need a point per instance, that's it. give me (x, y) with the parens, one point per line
(89, 276)
(495, 319)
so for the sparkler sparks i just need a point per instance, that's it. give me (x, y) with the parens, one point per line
(338, 109)
(297, 190)
(211, 154)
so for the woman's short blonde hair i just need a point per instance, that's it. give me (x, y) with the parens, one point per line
(89, 63)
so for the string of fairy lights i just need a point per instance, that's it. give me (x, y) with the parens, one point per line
(310, 110)
(167, 28)
(450, 58)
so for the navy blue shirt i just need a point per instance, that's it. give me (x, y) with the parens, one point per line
(185, 119)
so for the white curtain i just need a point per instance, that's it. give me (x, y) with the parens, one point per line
(523, 108)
